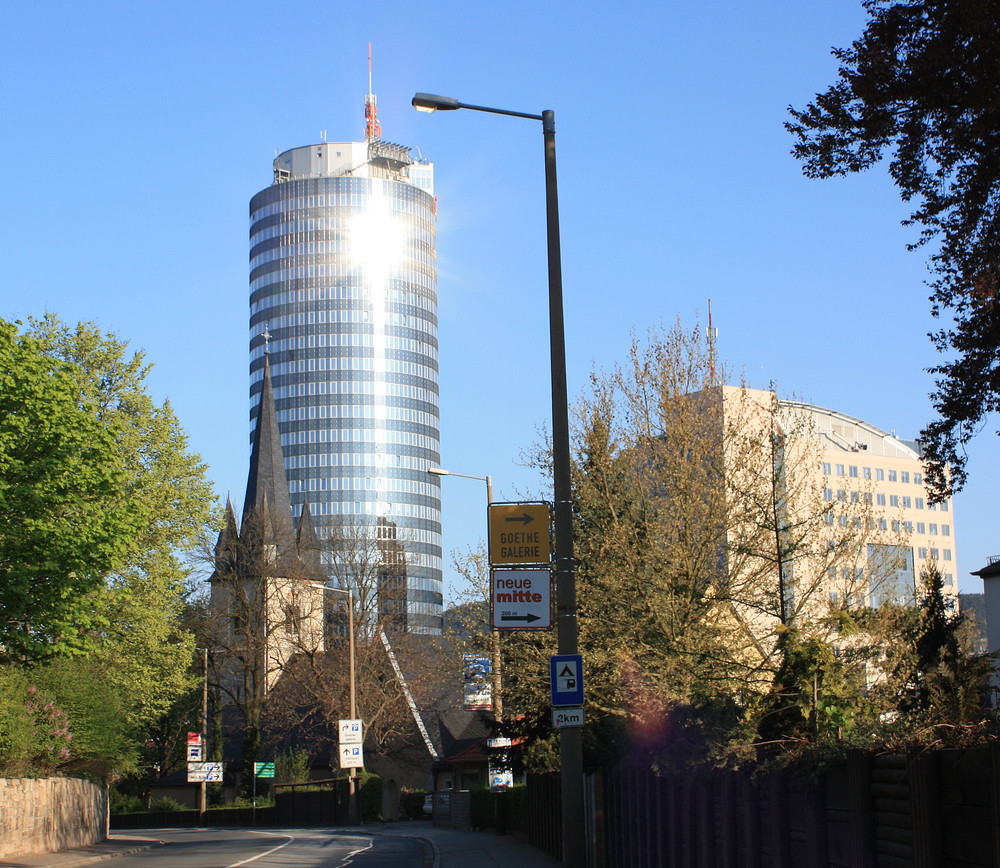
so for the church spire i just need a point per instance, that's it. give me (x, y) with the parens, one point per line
(267, 485)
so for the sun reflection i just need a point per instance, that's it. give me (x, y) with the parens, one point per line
(377, 241)
(377, 238)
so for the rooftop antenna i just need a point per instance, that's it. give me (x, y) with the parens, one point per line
(712, 334)
(373, 130)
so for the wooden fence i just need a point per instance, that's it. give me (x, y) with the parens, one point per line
(316, 803)
(939, 809)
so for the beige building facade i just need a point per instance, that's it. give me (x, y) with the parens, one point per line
(822, 510)
(860, 461)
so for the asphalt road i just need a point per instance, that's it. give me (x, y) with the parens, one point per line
(273, 848)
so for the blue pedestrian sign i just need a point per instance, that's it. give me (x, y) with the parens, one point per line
(566, 679)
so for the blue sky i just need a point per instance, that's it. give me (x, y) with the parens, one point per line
(134, 135)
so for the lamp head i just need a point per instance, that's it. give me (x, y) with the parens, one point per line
(429, 102)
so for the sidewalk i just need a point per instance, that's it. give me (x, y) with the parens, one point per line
(450, 848)
(118, 844)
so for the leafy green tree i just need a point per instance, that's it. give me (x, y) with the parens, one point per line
(145, 650)
(950, 682)
(128, 615)
(67, 519)
(814, 696)
(922, 85)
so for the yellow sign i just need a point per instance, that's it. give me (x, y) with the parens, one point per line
(519, 533)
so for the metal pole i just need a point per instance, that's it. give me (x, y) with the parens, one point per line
(570, 738)
(571, 742)
(353, 772)
(203, 788)
(495, 662)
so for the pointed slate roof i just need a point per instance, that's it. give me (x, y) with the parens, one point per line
(308, 542)
(227, 546)
(267, 483)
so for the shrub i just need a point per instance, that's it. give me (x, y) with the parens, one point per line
(411, 804)
(482, 808)
(164, 804)
(371, 797)
(34, 731)
(291, 767)
(124, 803)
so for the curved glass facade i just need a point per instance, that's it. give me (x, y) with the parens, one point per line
(343, 297)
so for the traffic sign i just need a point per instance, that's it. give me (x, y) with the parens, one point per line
(521, 599)
(351, 731)
(519, 533)
(563, 717)
(477, 696)
(566, 679)
(195, 753)
(194, 738)
(351, 756)
(263, 770)
(198, 772)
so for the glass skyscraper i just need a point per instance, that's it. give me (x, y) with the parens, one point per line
(343, 298)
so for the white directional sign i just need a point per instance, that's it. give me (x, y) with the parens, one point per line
(521, 599)
(351, 732)
(198, 772)
(351, 756)
(563, 717)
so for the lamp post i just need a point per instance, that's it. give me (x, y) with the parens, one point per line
(352, 772)
(495, 662)
(571, 743)
(203, 786)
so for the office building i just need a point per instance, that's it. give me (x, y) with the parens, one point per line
(343, 298)
(850, 510)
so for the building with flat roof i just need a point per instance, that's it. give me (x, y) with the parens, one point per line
(859, 459)
(343, 298)
(841, 473)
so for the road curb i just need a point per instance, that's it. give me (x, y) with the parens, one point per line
(430, 843)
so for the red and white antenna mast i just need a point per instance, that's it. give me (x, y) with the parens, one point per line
(373, 129)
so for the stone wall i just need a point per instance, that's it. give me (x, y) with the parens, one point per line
(43, 816)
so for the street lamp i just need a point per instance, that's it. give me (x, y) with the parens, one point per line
(571, 743)
(203, 787)
(494, 633)
(352, 772)
(440, 471)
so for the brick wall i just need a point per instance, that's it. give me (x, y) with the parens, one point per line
(43, 816)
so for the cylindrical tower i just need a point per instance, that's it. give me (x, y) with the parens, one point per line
(343, 297)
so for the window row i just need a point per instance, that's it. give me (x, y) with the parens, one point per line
(395, 365)
(881, 474)
(406, 295)
(423, 390)
(307, 228)
(358, 193)
(355, 483)
(376, 508)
